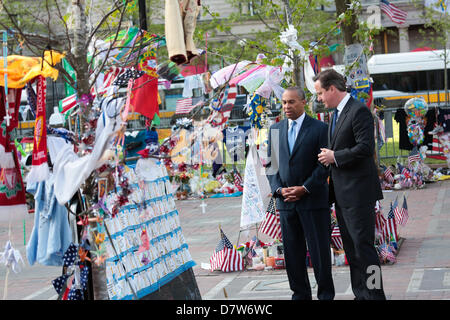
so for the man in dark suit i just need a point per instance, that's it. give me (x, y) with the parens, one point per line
(354, 183)
(299, 182)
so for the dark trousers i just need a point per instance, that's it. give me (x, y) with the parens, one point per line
(357, 227)
(310, 227)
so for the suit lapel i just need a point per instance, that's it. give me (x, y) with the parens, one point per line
(284, 144)
(301, 134)
(341, 120)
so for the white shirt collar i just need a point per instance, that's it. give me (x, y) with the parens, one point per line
(343, 102)
(299, 120)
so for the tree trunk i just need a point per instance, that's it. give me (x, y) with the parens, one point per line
(349, 27)
(80, 53)
(296, 60)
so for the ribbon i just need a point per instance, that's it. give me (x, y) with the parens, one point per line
(274, 76)
(289, 38)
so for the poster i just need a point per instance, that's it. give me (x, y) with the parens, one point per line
(255, 197)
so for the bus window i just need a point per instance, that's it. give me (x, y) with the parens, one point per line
(381, 82)
(436, 79)
(422, 81)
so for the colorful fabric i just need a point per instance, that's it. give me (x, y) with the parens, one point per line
(39, 170)
(256, 109)
(12, 191)
(51, 235)
(144, 96)
(123, 79)
(22, 69)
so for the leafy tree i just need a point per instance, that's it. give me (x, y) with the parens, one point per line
(312, 25)
(437, 19)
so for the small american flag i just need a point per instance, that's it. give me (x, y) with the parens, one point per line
(225, 256)
(391, 226)
(271, 223)
(386, 253)
(394, 13)
(413, 157)
(401, 214)
(380, 225)
(336, 238)
(388, 174)
(238, 181)
(403, 171)
(184, 106)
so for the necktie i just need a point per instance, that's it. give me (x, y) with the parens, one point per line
(291, 136)
(333, 124)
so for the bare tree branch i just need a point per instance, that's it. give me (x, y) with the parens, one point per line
(111, 46)
(66, 28)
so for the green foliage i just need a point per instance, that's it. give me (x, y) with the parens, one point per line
(309, 22)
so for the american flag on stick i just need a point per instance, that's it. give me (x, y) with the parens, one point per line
(225, 256)
(380, 225)
(388, 174)
(401, 214)
(413, 157)
(336, 238)
(391, 226)
(271, 223)
(404, 171)
(238, 181)
(393, 12)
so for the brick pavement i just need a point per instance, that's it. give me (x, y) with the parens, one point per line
(422, 270)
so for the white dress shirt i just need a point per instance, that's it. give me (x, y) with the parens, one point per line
(299, 122)
(340, 107)
(342, 104)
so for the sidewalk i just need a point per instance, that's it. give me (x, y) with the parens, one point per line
(422, 270)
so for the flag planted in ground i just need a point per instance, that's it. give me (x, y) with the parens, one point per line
(388, 174)
(380, 225)
(336, 238)
(225, 257)
(401, 214)
(404, 171)
(391, 226)
(271, 223)
(414, 156)
(238, 181)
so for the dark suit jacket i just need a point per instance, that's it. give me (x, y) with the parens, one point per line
(354, 181)
(302, 166)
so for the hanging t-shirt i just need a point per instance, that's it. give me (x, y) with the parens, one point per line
(444, 119)
(51, 234)
(404, 143)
